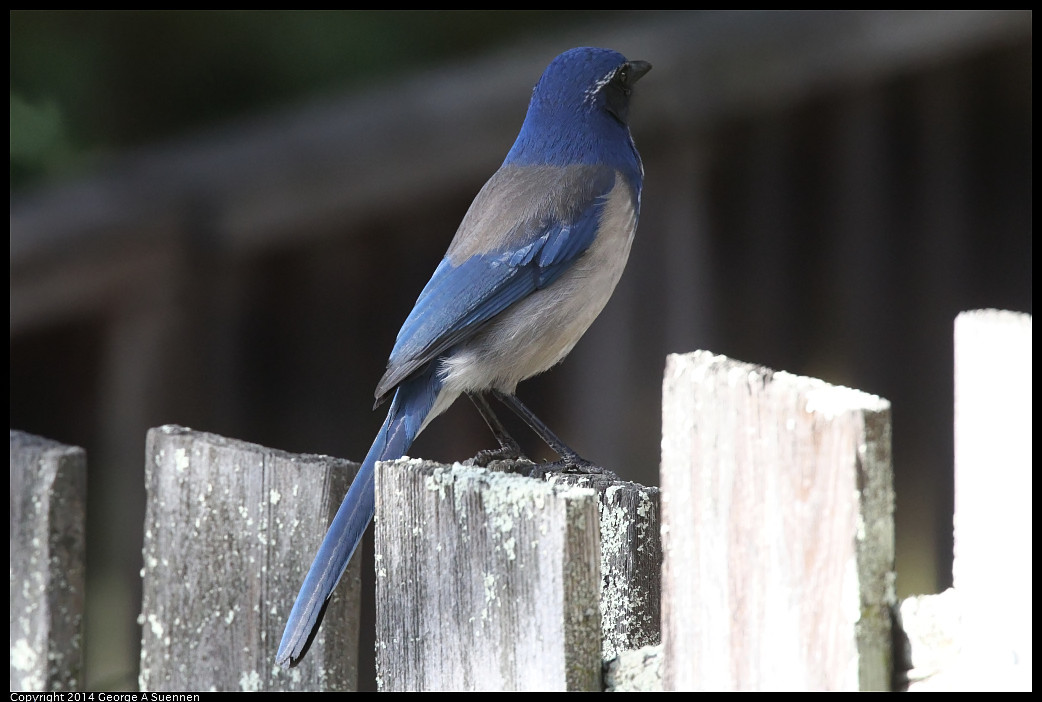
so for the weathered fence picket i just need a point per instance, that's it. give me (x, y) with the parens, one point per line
(493, 581)
(777, 522)
(230, 530)
(977, 635)
(992, 559)
(48, 516)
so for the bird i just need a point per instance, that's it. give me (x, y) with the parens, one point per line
(534, 261)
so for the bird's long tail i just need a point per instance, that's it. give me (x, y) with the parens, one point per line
(411, 405)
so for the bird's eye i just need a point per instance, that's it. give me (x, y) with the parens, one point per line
(622, 75)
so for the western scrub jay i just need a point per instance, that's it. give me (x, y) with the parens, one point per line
(532, 265)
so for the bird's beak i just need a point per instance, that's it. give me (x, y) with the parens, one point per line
(635, 70)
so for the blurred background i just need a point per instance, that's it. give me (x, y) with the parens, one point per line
(220, 220)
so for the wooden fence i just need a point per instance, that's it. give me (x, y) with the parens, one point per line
(773, 535)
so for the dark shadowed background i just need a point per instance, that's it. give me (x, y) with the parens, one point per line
(220, 220)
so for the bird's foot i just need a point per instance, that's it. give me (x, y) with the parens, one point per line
(509, 450)
(572, 464)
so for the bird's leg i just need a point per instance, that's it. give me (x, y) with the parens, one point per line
(570, 460)
(508, 447)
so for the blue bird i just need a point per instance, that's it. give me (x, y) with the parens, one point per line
(533, 263)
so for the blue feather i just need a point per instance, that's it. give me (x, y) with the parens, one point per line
(459, 298)
(412, 402)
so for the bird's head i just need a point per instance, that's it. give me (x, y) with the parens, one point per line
(580, 108)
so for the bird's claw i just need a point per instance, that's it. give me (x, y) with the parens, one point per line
(571, 464)
(509, 450)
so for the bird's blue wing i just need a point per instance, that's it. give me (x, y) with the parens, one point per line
(523, 252)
